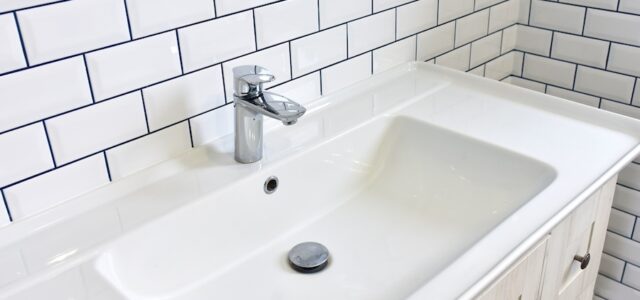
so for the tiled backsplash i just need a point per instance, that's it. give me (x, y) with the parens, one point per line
(94, 90)
(589, 51)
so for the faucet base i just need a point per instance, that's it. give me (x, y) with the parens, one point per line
(248, 146)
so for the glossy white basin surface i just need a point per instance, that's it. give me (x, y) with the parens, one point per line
(386, 199)
(423, 183)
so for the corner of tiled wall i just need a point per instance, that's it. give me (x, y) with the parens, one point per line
(588, 51)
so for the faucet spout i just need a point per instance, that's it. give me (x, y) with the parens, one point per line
(275, 106)
(251, 103)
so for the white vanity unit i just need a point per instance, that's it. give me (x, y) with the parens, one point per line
(422, 182)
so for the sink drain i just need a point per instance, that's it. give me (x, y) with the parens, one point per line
(308, 257)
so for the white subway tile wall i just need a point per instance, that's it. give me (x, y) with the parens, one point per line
(93, 91)
(588, 51)
(104, 88)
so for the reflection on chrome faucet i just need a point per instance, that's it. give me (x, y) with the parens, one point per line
(251, 102)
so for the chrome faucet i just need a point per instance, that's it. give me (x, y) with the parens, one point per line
(251, 102)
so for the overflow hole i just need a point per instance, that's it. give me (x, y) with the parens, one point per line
(271, 185)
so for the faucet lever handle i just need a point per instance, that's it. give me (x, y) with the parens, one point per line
(248, 80)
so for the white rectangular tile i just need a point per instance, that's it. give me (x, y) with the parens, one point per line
(43, 192)
(152, 16)
(505, 65)
(417, 16)
(562, 17)
(636, 99)
(606, 4)
(636, 231)
(504, 15)
(334, 12)
(201, 44)
(302, 90)
(480, 4)
(471, 27)
(8, 5)
(451, 9)
(622, 247)
(315, 51)
(620, 108)
(612, 26)
(610, 289)
(212, 125)
(621, 222)
(61, 86)
(605, 84)
(276, 59)
(380, 5)
(624, 59)
(24, 152)
(573, 96)
(435, 41)
(457, 59)
(72, 27)
(509, 39)
(579, 49)
(478, 71)
(133, 65)
(549, 71)
(611, 266)
(632, 276)
(225, 7)
(527, 84)
(144, 152)
(284, 21)
(97, 127)
(371, 32)
(485, 49)
(630, 176)
(533, 40)
(178, 99)
(11, 56)
(346, 73)
(631, 6)
(392, 55)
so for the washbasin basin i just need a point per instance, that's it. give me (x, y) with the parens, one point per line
(395, 200)
(421, 182)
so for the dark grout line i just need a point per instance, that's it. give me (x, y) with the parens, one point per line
(6, 205)
(126, 12)
(190, 132)
(86, 68)
(46, 133)
(179, 52)
(106, 164)
(20, 36)
(144, 109)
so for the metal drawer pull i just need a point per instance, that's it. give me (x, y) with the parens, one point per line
(584, 260)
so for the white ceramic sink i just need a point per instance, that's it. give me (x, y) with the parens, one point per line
(385, 198)
(423, 183)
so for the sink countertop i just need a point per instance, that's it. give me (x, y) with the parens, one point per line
(582, 145)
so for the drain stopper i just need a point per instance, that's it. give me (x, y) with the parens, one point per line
(308, 257)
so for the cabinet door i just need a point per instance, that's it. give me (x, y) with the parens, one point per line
(523, 280)
(581, 233)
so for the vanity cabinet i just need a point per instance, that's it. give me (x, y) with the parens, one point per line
(564, 264)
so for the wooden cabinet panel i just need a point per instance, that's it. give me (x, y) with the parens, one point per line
(549, 271)
(580, 233)
(523, 280)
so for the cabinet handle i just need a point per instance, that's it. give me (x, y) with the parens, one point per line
(584, 260)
